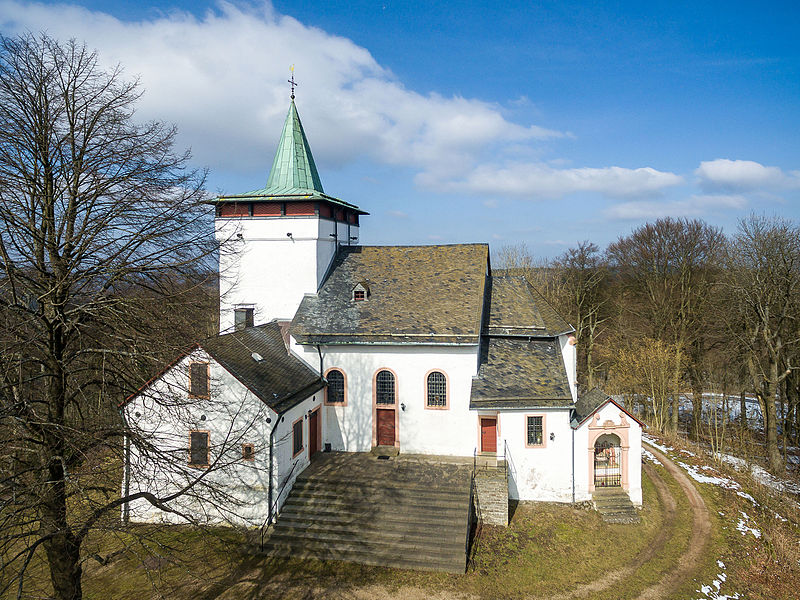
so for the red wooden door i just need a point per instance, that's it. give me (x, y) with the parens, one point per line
(488, 434)
(385, 419)
(313, 433)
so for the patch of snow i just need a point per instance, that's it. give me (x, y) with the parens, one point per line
(713, 591)
(761, 475)
(649, 456)
(729, 484)
(688, 453)
(744, 528)
(650, 440)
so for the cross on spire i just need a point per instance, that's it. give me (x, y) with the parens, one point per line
(291, 81)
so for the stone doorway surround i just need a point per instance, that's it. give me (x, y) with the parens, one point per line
(621, 430)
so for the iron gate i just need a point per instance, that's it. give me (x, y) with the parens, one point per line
(607, 468)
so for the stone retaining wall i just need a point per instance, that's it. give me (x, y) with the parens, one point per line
(491, 502)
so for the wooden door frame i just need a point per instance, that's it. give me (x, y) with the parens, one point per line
(496, 418)
(319, 430)
(394, 407)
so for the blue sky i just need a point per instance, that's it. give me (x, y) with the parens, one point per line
(538, 122)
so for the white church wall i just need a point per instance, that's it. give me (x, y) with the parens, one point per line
(543, 472)
(264, 267)
(232, 490)
(419, 429)
(570, 356)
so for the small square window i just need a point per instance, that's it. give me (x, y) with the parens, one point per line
(535, 431)
(242, 318)
(359, 295)
(248, 452)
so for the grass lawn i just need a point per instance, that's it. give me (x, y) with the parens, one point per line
(548, 550)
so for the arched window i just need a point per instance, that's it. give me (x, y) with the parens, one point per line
(384, 387)
(335, 393)
(436, 384)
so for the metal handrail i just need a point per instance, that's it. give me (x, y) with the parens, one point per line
(274, 506)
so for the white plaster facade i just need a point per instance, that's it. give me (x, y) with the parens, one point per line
(420, 430)
(231, 490)
(263, 267)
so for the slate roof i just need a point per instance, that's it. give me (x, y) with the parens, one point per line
(589, 402)
(280, 380)
(519, 309)
(418, 295)
(521, 373)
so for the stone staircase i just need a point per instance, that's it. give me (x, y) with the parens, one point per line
(614, 505)
(393, 513)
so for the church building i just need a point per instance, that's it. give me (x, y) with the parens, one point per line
(330, 346)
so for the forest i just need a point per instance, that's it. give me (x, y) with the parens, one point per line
(679, 311)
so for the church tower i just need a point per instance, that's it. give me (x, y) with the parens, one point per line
(278, 241)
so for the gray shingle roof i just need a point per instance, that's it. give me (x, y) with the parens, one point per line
(521, 373)
(589, 402)
(519, 309)
(280, 380)
(417, 295)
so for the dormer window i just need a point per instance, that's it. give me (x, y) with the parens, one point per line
(360, 292)
(243, 317)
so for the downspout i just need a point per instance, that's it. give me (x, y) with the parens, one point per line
(271, 463)
(126, 511)
(573, 464)
(320, 361)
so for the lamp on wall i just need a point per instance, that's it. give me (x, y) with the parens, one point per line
(552, 436)
(403, 406)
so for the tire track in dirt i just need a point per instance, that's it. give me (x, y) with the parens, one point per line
(684, 567)
(701, 535)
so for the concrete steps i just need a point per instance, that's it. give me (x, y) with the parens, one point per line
(378, 514)
(614, 505)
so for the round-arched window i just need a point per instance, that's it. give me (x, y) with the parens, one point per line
(437, 389)
(335, 391)
(384, 387)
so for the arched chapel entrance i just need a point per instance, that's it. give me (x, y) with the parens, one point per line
(607, 461)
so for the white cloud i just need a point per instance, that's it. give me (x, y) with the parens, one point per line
(222, 78)
(540, 180)
(697, 205)
(727, 174)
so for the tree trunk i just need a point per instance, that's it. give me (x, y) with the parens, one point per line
(767, 401)
(63, 556)
(743, 409)
(697, 409)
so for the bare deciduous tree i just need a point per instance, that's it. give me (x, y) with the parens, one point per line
(105, 246)
(667, 270)
(763, 276)
(584, 277)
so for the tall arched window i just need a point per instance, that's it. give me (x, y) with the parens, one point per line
(384, 387)
(436, 385)
(335, 394)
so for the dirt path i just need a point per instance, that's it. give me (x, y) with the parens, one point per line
(701, 534)
(701, 530)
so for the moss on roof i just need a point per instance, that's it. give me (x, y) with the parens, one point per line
(418, 295)
(517, 308)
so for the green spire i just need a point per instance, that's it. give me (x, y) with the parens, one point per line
(293, 170)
